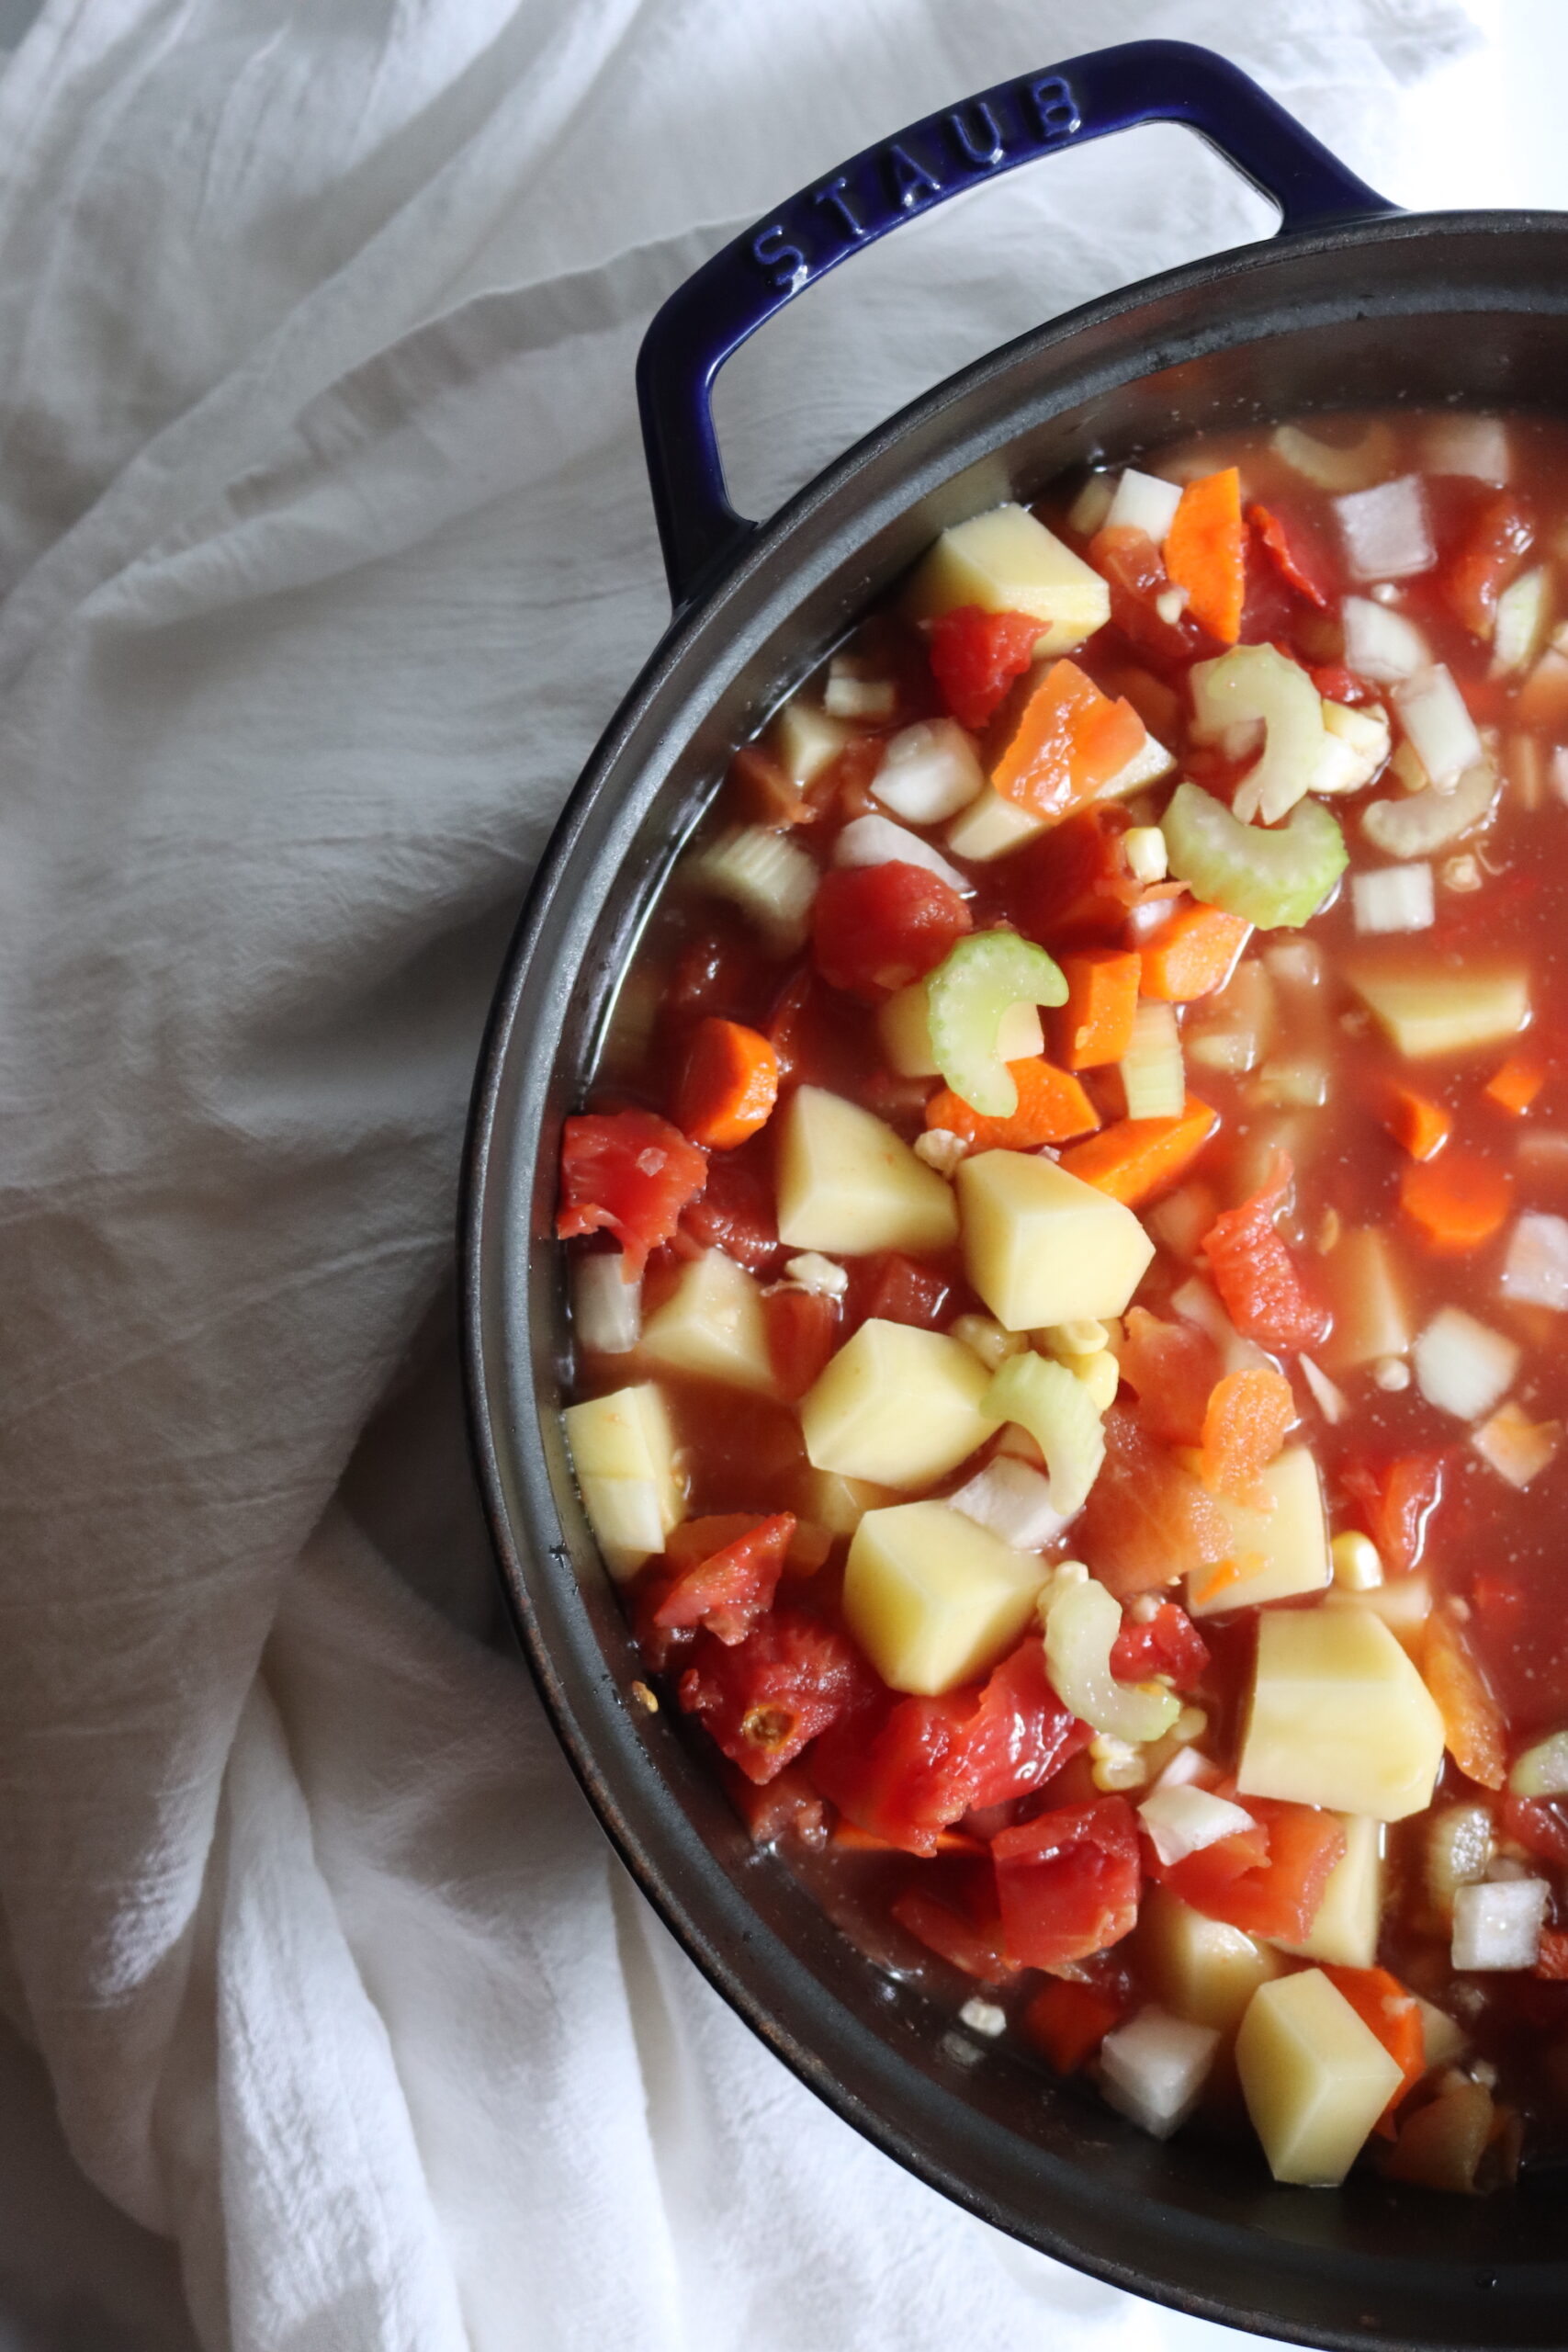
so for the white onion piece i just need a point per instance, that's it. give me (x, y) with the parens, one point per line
(1330, 1400)
(811, 1271)
(1460, 1366)
(1386, 531)
(1441, 730)
(1188, 1765)
(1534, 1271)
(1142, 503)
(1153, 2070)
(1089, 510)
(1419, 822)
(607, 1312)
(1460, 444)
(1497, 1924)
(848, 696)
(1013, 1501)
(929, 771)
(1394, 898)
(1516, 1447)
(877, 840)
(1380, 645)
(1182, 1821)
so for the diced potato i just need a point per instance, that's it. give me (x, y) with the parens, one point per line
(1148, 763)
(803, 739)
(623, 1450)
(1345, 1932)
(711, 1324)
(1200, 1968)
(847, 1183)
(1429, 1013)
(932, 1599)
(904, 1029)
(838, 1504)
(1316, 2079)
(991, 827)
(896, 1405)
(1007, 562)
(1368, 1295)
(1339, 1717)
(1042, 1247)
(1289, 1541)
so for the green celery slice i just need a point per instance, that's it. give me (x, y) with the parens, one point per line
(1277, 880)
(1055, 1407)
(966, 996)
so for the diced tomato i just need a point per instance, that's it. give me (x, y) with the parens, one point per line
(728, 1589)
(1396, 1501)
(631, 1173)
(1169, 1644)
(1129, 562)
(764, 1699)
(1021, 1734)
(1334, 683)
(875, 928)
(892, 1288)
(1295, 555)
(1486, 558)
(968, 1940)
(1146, 1519)
(1541, 1826)
(1068, 1883)
(803, 1327)
(1268, 1881)
(1255, 1273)
(736, 1213)
(1074, 884)
(786, 1807)
(1067, 2021)
(1172, 1367)
(975, 656)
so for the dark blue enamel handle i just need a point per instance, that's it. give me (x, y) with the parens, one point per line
(710, 316)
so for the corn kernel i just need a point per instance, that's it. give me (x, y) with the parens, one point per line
(1144, 847)
(1356, 1566)
(1116, 1764)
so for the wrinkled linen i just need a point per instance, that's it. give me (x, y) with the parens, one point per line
(325, 552)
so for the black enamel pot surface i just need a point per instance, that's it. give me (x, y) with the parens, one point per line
(1353, 303)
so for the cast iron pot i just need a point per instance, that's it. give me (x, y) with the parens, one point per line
(1353, 303)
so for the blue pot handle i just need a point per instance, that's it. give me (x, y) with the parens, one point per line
(737, 291)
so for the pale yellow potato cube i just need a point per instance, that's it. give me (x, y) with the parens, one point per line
(1316, 2079)
(897, 1406)
(1339, 1717)
(932, 1599)
(623, 1451)
(711, 1324)
(1288, 1544)
(838, 1504)
(904, 1028)
(1435, 1011)
(1006, 561)
(847, 1183)
(628, 1518)
(991, 827)
(1201, 1968)
(1042, 1247)
(803, 739)
(1345, 1932)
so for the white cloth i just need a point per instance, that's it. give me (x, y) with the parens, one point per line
(325, 552)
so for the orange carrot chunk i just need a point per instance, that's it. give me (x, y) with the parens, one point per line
(1069, 743)
(1134, 1159)
(1473, 1728)
(1516, 1084)
(1243, 1428)
(1051, 1105)
(728, 1086)
(1457, 1201)
(1095, 1025)
(1422, 1125)
(1193, 955)
(1205, 552)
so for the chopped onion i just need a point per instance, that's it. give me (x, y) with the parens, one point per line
(1416, 823)
(770, 878)
(1153, 1078)
(1394, 898)
(1432, 712)
(1153, 2070)
(1142, 503)
(1534, 1271)
(940, 1149)
(1294, 963)
(1014, 1501)
(1182, 1821)
(812, 1272)
(1497, 1924)
(1187, 1767)
(848, 695)
(929, 771)
(1543, 1771)
(606, 1311)
(1336, 466)
(1331, 1402)
(877, 840)
(1523, 610)
(1461, 1367)
(1380, 645)
(1518, 1448)
(1386, 531)
(1089, 510)
(1463, 443)
(1459, 1852)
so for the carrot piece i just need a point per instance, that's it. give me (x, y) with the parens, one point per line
(866, 1841)
(1385, 2007)
(1205, 552)
(1516, 1084)
(1422, 1125)
(1051, 1105)
(1067, 745)
(1243, 1428)
(1067, 2021)
(728, 1086)
(1133, 1159)
(1456, 1202)
(1095, 1025)
(1474, 1730)
(1193, 955)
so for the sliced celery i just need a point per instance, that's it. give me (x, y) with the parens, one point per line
(967, 997)
(1082, 1622)
(1277, 880)
(1059, 1411)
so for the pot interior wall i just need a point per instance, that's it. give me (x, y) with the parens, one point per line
(1410, 311)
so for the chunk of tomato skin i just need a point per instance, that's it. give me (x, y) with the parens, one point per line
(971, 1944)
(1395, 1501)
(1066, 2022)
(764, 1701)
(1068, 1883)
(1129, 562)
(803, 1331)
(1336, 683)
(629, 1174)
(901, 1773)
(1494, 546)
(1294, 552)
(975, 657)
(736, 1213)
(729, 1590)
(1258, 1280)
(1278, 1898)
(1170, 1643)
(876, 928)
